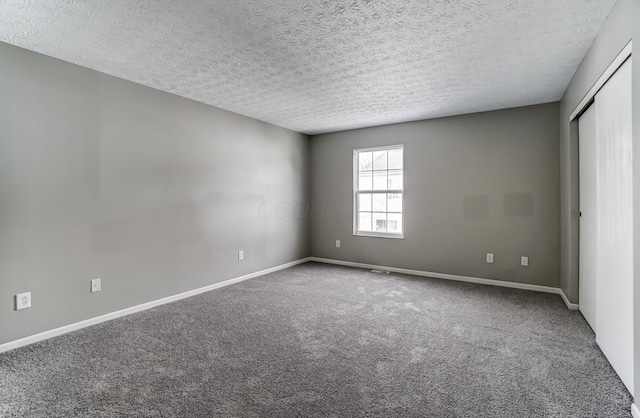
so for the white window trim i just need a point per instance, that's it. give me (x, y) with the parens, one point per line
(356, 203)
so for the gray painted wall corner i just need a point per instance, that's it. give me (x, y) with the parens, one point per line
(450, 162)
(153, 193)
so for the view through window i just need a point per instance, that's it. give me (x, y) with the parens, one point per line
(378, 187)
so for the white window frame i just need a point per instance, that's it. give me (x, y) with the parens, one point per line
(356, 191)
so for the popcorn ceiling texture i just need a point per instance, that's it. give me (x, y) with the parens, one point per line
(322, 65)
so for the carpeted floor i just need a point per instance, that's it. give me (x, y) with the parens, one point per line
(319, 340)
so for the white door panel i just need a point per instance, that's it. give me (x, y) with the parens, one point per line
(588, 285)
(614, 233)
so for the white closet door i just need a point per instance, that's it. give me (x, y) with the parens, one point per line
(614, 243)
(588, 167)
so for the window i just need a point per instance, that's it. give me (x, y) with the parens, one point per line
(378, 191)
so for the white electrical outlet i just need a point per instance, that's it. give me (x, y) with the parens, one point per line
(240, 255)
(524, 261)
(95, 285)
(489, 257)
(337, 243)
(23, 301)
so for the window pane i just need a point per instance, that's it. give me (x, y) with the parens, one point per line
(394, 202)
(379, 202)
(364, 222)
(380, 180)
(364, 161)
(380, 160)
(378, 172)
(364, 202)
(380, 222)
(364, 180)
(395, 159)
(395, 180)
(394, 223)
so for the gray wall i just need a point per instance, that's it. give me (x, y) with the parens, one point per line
(479, 158)
(153, 193)
(613, 36)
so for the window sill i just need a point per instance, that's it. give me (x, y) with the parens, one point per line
(378, 235)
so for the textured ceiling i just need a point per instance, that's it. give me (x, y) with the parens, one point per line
(322, 65)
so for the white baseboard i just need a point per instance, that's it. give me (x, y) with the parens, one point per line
(572, 306)
(514, 285)
(635, 411)
(127, 311)
(148, 305)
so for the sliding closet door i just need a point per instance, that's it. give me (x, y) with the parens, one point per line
(614, 243)
(588, 167)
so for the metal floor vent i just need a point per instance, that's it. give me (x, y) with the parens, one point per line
(379, 271)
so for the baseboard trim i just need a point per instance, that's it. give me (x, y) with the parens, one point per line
(635, 411)
(455, 277)
(144, 306)
(11, 345)
(572, 306)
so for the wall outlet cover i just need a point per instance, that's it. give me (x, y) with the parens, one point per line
(337, 243)
(524, 261)
(96, 286)
(23, 301)
(240, 255)
(489, 257)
